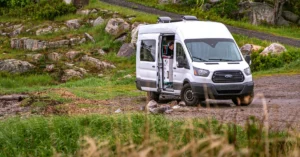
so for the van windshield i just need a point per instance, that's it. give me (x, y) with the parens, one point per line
(212, 50)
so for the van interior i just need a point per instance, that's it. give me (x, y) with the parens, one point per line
(167, 62)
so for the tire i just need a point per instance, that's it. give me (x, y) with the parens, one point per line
(245, 100)
(188, 97)
(153, 96)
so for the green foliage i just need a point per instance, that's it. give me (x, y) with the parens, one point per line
(41, 136)
(227, 8)
(260, 62)
(44, 9)
(293, 5)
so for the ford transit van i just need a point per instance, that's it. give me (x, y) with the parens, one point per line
(204, 62)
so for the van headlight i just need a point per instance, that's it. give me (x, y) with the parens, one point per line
(247, 71)
(201, 72)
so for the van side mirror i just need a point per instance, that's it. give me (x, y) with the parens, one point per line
(248, 59)
(181, 64)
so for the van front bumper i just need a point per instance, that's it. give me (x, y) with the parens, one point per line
(215, 91)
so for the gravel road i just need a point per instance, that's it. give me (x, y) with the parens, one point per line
(281, 94)
(282, 97)
(232, 29)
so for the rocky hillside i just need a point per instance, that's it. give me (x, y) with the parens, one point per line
(68, 49)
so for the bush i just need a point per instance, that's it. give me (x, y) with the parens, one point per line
(227, 8)
(260, 62)
(40, 10)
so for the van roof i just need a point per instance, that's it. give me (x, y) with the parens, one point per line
(189, 29)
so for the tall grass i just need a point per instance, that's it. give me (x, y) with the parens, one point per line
(140, 135)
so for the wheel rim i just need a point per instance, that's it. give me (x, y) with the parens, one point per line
(188, 95)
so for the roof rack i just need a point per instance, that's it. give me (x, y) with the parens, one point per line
(189, 18)
(164, 19)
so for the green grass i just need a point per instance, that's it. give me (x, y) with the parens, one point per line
(41, 136)
(140, 16)
(17, 83)
(288, 69)
(291, 31)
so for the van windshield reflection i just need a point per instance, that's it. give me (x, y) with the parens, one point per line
(213, 50)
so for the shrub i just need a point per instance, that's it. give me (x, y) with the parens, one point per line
(260, 62)
(40, 10)
(227, 8)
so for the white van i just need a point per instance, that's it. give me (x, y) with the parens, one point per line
(206, 62)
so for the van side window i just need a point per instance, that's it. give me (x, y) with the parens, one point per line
(148, 50)
(180, 55)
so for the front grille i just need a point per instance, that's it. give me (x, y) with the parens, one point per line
(228, 76)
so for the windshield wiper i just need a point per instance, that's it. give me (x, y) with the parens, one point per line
(219, 59)
(199, 58)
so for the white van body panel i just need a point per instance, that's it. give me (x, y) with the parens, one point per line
(147, 70)
(187, 30)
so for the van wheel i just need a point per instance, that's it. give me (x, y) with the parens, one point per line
(188, 97)
(243, 100)
(153, 96)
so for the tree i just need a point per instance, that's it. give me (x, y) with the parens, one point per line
(278, 6)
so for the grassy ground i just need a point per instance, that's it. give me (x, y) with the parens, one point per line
(291, 31)
(132, 134)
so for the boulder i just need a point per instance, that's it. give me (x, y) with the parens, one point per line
(74, 41)
(290, 16)
(68, 1)
(127, 76)
(247, 49)
(122, 38)
(97, 63)
(58, 44)
(72, 54)
(35, 57)
(73, 24)
(101, 52)
(71, 74)
(214, 1)
(50, 68)
(151, 105)
(54, 56)
(44, 30)
(134, 33)
(273, 49)
(169, 1)
(83, 12)
(98, 21)
(283, 22)
(16, 32)
(127, 50)
(117, 26)
(83, 40)
(259, 13)
(206, 6)
(15, 66)
(94, 11)
(89, 37)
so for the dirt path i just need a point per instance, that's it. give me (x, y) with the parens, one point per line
(232, 29)
(282, 95)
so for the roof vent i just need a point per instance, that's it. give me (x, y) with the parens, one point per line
(189, 18)
(164, 19)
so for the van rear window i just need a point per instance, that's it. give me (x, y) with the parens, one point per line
(148, 50)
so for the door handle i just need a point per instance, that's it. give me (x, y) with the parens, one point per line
(153, 66)
(174, 67)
